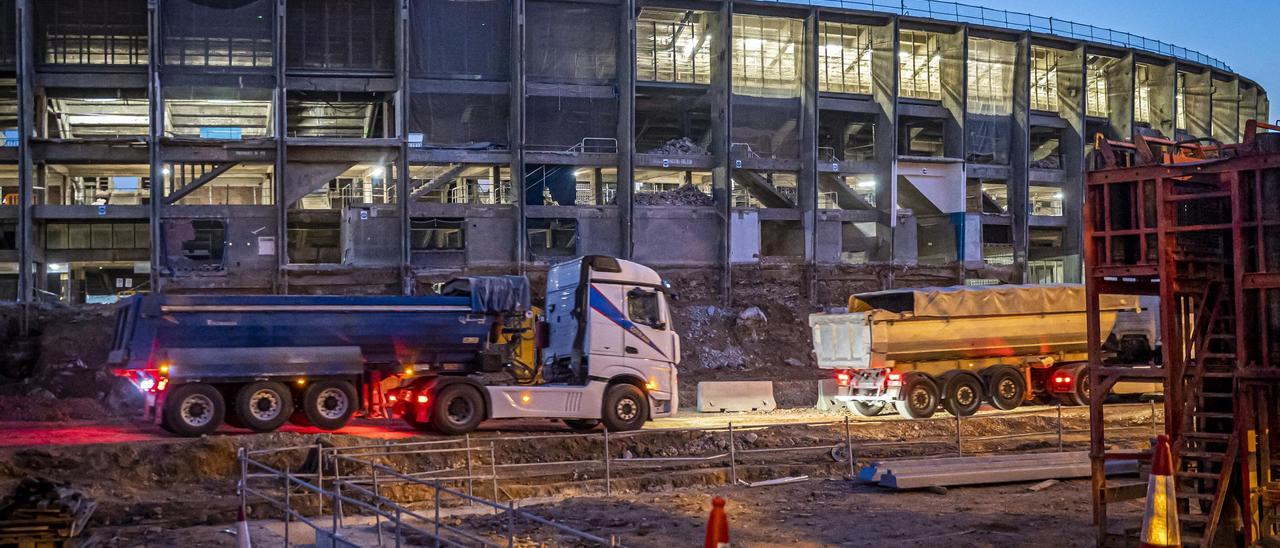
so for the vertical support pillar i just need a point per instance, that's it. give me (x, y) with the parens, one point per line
(26, 221)
(721, 128)
(884, 77)
(1020, 159)
(1226, 108)
(517, 130)
(807, 184)
(402, 134)
(954, 49)
(1121, 80)
(1162, 101)
(1071, 107)
(155, 155)
(626, 124)
(1197, 108)
(280, 124)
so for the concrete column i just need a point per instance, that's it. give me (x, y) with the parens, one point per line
(626, 123)
(280, 123)
(1162, 97)
(1020, 159)
(26, 179)
(884, 92)
(517, 130)
(1196, 103)
(402, 133)
(159, 260)
(1120, 84)
(1226, 108)
(954, 48)
(721, 107)
(1071, 107)
(807, 182)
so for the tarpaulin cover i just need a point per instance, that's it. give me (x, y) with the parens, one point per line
(959, 301)
(492, 293)
(478, 46)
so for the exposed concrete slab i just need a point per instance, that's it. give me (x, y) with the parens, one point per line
(722, 396)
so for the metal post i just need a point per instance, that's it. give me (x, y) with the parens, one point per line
(377, 500)
(400, 534)
(470, 491)
(1059, 427)
(848, 446)
(959, 438)
(320, 479)
(493, 469)
(337, 491)
(244, 481)
(733, 460)
(608, 472)
(288, 505)
(437, 486)
(511, 524)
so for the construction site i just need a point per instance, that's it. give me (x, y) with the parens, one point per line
(578, 272)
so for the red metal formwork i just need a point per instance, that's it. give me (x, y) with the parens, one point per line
(1198, 224)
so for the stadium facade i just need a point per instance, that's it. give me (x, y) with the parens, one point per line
(372, 145)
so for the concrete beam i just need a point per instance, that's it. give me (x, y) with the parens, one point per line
(26, 166)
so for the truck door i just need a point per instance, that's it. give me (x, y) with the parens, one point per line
(605, 337)
(648, 333)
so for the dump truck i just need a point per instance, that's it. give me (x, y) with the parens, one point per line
(603, 349)
(960, 347)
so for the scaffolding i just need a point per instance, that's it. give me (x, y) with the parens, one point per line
(1198, 224)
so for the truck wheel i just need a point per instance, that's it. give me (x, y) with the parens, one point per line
(328, 405)
(582, 425)
(458, 409)
(194, 410)
(866, 408)
(263, 406)
(625, 408)
(918, 398)
(1006, 389)
(962, 394)
(1079, 396)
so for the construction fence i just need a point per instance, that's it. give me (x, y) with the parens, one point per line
(413, 487)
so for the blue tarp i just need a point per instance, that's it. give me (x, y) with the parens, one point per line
(492, 293)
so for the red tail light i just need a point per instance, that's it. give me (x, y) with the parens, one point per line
(895, 376)
(422, 398)
(1062, 379)
(842, 379)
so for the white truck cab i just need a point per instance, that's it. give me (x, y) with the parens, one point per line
(611, 351)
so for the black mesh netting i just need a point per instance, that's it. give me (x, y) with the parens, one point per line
(341, 34)
(571, 43)
(478, 45)
(225, 33)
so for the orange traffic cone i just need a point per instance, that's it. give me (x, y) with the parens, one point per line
(717, 526)
(242, 531)
(1160, 523)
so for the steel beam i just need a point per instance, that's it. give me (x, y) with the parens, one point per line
(721, 129)
(280, 281)
(518, 130)
(1019, 180)
(26, 192)
(204, 179)
(407, 283)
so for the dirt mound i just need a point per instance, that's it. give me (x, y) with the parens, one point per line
(33, 408)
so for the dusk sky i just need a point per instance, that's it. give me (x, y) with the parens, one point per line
(1240, 33)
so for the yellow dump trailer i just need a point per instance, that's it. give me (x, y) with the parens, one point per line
(961, 346)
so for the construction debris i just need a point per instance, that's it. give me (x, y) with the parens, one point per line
(684, 195)
(984, 470)
(682, 145)
(776, 481)
(43, 511)
(1043, 485)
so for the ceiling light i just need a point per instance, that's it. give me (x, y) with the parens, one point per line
(377, 171)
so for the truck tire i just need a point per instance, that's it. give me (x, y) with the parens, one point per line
(263, 406)
(961, 393)
(918, 398)
(194, 409)
(458, 408)
(328, 405)
(582, 425)
(625, 408)
(1006, 388)
(866, 408)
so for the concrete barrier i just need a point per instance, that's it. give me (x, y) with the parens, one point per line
(722, 396)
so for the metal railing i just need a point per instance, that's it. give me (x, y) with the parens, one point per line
(1013, 20)
(456, 469)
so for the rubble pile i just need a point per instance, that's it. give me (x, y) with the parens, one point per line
(682, 145)
(686, 195)
(43, 511)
